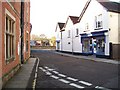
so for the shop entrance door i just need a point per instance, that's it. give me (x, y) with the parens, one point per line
(85, 46)
(94, 46)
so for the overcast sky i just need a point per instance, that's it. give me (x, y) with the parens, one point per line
(46, 13)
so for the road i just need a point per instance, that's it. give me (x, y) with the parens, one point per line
(59, 71)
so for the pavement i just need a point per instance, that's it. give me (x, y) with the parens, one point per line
(21, 79)
(91, 58)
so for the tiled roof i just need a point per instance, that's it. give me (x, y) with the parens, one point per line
(110, 5)
(61, 25)
(74, 19)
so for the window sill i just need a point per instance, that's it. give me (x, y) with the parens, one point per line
(98, 28)
(76, 36)
(9, 60)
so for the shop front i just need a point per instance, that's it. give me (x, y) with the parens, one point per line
(94, 43)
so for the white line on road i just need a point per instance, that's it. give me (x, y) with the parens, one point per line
(64, 81)
(62, 75)
(42, 69)
(53, 76)
(55, 72)
(50, 69)
(75, 85)
(48, 73)
(73, 79)
(46, 67)
(35, 75)
(102, 88)
(86, 83)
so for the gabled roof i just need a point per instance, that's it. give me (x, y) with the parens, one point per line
(74, 19)
(61, 25)
(84, 9)
(110, 5)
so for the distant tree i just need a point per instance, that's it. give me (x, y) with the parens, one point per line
(53, 41)
(43, 36)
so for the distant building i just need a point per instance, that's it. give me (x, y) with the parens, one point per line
(32, 43)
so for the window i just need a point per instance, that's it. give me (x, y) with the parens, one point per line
(68, 33)
(77, 32)
(10, 38)
(27, 43)
(98, 21)
(86, 27)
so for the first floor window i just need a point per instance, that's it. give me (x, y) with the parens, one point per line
(68, 33)
(10, 38)
(98, 21)
(77, 32)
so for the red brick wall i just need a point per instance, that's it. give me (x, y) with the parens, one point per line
(7, 67)
(0, 40)
(27, 28)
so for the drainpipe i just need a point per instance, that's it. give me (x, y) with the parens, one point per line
(72, 41)
(22, 31)
(61, 41)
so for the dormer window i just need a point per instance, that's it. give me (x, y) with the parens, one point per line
(98, 21)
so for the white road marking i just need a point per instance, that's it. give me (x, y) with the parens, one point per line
(42, 69)
(53, 76)
(35, 75)
(86, 83)
(46, 67)
(62, 75)
(64, 81)
(75, 85)
(73, 79)
(34, 84)
(48, 73)
(55, 72)
(103, 88)
(51, 69)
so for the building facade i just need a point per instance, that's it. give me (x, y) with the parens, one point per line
(92, 34)
(10, 36)
(58, 31)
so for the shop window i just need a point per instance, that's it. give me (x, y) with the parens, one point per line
(101, 46)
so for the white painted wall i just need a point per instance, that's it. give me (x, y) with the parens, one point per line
(58, 37)
(65, 40)
(77, 46)
(95, 9)
(114, 27)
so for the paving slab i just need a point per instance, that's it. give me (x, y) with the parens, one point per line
(20, 80)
